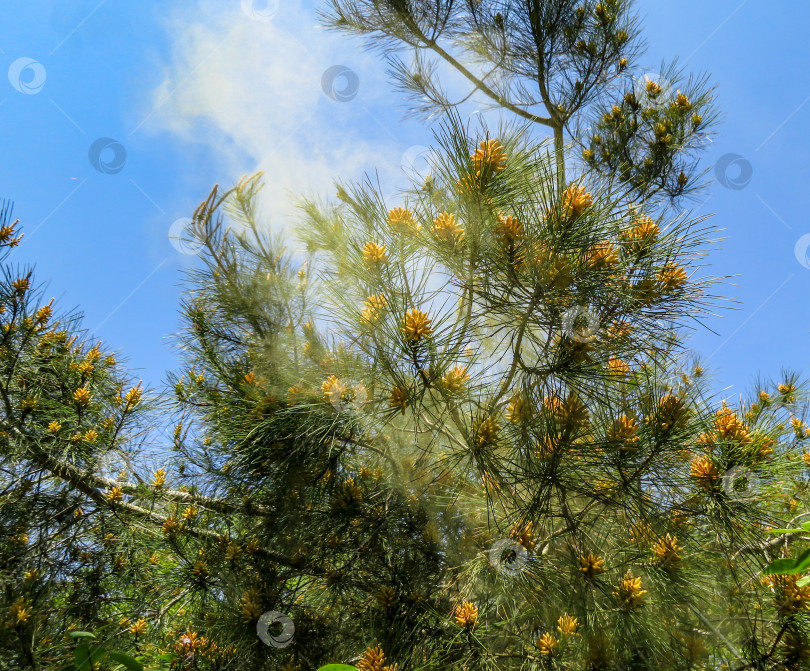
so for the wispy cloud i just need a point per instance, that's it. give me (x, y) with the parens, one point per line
(252, 91)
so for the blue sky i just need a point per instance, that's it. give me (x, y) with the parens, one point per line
(200, 92)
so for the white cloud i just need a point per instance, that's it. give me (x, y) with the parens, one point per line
(252, 91)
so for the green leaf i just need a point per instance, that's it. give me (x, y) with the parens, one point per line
(803, 561)
(801, 582)
(80, 654)
(165, 660)
(803, 527)
(780, 566)
(338, 667)
(85, 657)
(81, 634)
(131, 663)
(789, 566)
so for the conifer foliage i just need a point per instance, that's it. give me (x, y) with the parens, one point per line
(571, 67)
(461, 430)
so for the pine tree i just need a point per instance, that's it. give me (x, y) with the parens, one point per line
(66, 421)
(464, 432)
(570, 67)
(459, 436)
